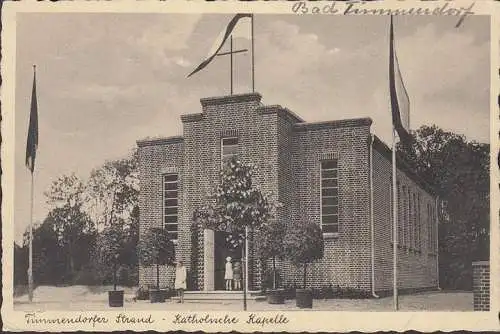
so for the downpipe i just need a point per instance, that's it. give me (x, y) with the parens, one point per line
(372, 223)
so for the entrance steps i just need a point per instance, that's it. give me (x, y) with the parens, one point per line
(220, 295)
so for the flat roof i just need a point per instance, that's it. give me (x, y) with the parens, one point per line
(403, 165)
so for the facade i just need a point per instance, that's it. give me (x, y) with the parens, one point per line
(333, 173)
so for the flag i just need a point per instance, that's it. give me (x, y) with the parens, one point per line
(32, 142)
(230, 29)
(400, 103)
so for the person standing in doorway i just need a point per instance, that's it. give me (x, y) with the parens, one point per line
(228, 275)
(180, 280)
(237, 275)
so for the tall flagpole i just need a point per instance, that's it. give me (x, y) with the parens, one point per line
(245, 283)
(253, 61)
(30, 268)
(231, 56)
(30, 265)
(394, 222)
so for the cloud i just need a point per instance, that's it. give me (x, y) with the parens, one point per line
(166, 35)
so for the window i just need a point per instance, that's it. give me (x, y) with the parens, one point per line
(329, 196)
(411, 229)
(170, 204)
(229, 148)
(400, 217)
(408, 218)
(414, 221)
(430, 227)
(391, 208)
(433, 229)
(419, 225)
(404, 223)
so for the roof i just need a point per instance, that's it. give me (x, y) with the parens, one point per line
(403, 165)
(276, 108)
(160, 141)
(341, 123)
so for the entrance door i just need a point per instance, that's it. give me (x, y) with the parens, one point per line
(223, 249)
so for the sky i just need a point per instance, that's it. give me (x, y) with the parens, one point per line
(107, 80)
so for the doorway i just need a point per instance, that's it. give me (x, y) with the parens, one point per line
(222, 249)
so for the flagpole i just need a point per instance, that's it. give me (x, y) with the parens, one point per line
(253, 61)
(30, 268)
(231, 57)
(245, 285)
(394, 222)
(30, 264)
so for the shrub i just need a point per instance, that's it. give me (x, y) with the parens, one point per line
(142, 293)
(155, 249)
(330, 292)
(88, 275)
(304, 244)
(268, 279)
(128, 275)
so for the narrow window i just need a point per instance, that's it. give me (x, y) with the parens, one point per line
(229, 148)
(400, 216)
(429, 228)
(404, 223)
(414, 221)
(329, 196)
(419, 224)
(170, 204)
(408, 218)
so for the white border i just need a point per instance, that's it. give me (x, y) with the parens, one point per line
(299, 321)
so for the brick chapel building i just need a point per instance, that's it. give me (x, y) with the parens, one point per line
(334, 173)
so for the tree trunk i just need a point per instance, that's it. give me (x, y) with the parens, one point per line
(245, 255)
(157, 276)
(274, 273)
(305, 274)
(71, 262)
(114, 276)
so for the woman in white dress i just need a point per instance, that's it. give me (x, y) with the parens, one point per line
(228, 275)
(180, 280)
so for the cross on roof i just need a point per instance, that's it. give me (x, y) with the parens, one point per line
(230, 53)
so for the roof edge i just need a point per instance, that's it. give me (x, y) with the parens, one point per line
(276, 108)
(343, 123)
(402, 165)
(236, 98)
(160, 141)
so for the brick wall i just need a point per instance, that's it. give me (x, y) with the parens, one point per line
(237, 115)
(417, 266)
(481, 285)
(346, 260)
(157, 157)
(287, 153)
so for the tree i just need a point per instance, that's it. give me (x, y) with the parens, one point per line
(270, 243)
(458, 170)
(304, 244)
(156, 248)
(111, 195)
(67, 190)
(237, 204)
(111, 250)
(112, 191)
(20, 265)
(72, 226)
(49, 260)
(75, 233)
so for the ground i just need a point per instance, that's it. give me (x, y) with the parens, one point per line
(80, 298)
